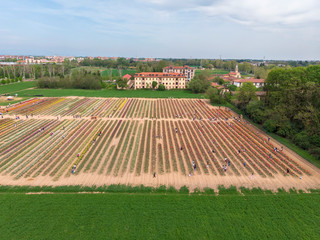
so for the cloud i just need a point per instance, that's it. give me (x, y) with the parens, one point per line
(249, 12)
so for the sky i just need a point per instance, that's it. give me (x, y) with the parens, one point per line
(227, 29)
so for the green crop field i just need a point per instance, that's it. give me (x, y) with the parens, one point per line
(13, 87)
(110, 93)
(159, 216)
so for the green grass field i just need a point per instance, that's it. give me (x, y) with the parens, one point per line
(116, 73)
(110, 93)
(159, 216)
(13, 87)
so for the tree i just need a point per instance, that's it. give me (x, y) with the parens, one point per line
(215, 96)
(161, 87)
(122, 83)
(246, 93)
(154, 84)
(200, 83)
(219, 80)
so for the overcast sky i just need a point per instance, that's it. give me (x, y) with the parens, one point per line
(274, 29)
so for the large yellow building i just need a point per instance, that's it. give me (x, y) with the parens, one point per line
(169, 80)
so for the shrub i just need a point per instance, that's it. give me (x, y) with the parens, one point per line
(302, 140)
(161, 87)
(184, 190)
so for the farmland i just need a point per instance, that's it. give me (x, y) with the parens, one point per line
(159, 216)
(132, 139)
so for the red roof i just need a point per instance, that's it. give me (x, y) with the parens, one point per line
(127, 76)
(159, 74)
(216, 85)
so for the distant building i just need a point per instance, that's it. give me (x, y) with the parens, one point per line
(231, 76)
(186, 70)
(236, 73)
(256, 82)
(169, 80)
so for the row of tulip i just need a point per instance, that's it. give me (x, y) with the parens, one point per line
(66, 125)
(118, 147)
(207, 139)
(141, 149)
(57, 156)
(259, 150)
(104, 143)
(199, 139)
(225, 149)
(165, 146)
(269, 146)
(18, 147)
(124, 147)
(38, 151)
(174, 145)
(236, 146)
(68, 157)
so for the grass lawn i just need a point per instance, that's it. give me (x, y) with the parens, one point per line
(159, 216)
(13, 87)
(110, 93)
(115, 72)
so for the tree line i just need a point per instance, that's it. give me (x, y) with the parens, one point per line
(291, 107)
(35, 71)
(79, 79)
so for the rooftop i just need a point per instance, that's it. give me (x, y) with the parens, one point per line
(158, 74)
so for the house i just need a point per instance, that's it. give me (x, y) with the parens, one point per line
(169, 80)
(186, 70)
(256, 82)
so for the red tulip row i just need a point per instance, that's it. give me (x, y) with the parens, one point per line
(267, 147)
(249, 142)
(253, 156)
(210, 146)
(204, 159)
(228, 150)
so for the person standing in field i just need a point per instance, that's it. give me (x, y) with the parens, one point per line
(244, 164)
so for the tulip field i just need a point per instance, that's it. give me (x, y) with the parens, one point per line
(133, 141)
